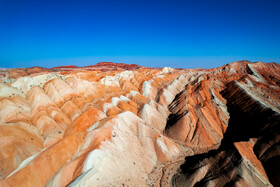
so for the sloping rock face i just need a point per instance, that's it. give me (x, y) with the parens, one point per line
(71, 126)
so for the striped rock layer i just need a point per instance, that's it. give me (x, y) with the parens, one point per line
(141, 127)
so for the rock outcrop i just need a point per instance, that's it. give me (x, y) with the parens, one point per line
(127, 125)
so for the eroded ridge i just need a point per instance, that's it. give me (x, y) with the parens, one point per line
(131, 125)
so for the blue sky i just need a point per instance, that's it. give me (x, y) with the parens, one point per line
(176, 33)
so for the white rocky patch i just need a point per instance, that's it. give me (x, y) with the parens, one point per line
(153, 117)
(256, 75)
(107, 106)
(26, 83)
(8, 91)
(147, 88)
(125, 158)
(26, 162)
(114, 80)
(167, 70)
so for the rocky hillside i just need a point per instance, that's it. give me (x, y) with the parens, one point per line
(127, 125)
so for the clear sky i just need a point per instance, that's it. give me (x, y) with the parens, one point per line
(176, 33)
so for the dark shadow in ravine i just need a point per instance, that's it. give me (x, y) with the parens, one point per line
(248, 119)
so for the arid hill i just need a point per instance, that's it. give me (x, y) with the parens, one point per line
(127, 125)
(101, 66)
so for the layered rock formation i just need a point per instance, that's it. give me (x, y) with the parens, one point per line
(101, 66)
(126, 125)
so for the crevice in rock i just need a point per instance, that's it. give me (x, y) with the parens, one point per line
(175, 116)
(248, 119)
(251, 119)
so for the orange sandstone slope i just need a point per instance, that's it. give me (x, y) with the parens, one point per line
(117, 125)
